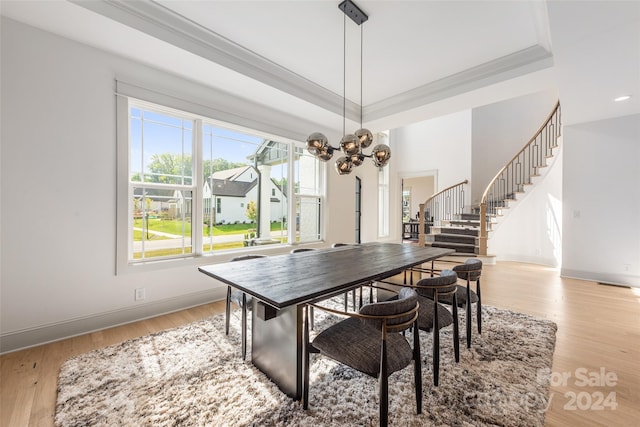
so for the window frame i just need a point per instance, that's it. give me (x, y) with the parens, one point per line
(124, 203)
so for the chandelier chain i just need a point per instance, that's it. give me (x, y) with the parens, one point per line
(352, 144)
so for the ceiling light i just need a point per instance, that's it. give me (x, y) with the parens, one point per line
(622, 98)
(353, 143)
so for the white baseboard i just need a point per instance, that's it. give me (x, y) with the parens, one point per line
(18, 340)
(606, 278)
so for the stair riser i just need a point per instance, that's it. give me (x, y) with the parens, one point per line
(467, 240)
(470, 216)
(471, 249)
(464, 223)
(461, 231)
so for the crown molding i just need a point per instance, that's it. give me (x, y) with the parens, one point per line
(164, 24)
(517, 64)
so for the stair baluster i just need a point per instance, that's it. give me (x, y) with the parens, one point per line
(514, 176)
(446, 205)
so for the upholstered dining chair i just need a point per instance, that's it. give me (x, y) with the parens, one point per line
(241, 300)
(434, 316)
(470, 271)
(369, 341)
(298, 250)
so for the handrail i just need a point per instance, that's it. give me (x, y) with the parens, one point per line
(443, 205)
(518, 172)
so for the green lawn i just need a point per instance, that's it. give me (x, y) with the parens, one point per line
(176, 227)
(164, 225)
(206, 248)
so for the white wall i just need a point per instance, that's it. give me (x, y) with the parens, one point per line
(58, 194)
(531, 230)
(441, 146)
(341, 202)
(601, 199)
(500, 130)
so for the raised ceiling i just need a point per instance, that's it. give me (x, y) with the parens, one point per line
(420, 58)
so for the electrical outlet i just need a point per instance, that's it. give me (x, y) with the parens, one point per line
(140, 294)
(626, 267)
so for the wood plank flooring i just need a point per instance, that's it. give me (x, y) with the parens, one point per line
(598, 329)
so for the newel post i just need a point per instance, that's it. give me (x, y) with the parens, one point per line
(482, 244)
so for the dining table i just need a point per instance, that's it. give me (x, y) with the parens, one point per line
(281, 285)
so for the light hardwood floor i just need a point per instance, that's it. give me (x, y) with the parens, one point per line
(598, 329)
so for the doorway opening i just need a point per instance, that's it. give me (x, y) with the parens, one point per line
(416, 189)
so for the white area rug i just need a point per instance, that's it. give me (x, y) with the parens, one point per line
(193, 376)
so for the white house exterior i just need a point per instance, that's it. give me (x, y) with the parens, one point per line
(229, 193)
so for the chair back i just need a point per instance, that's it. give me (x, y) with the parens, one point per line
(246, 257)
(395, 315)
(444, 284)
(338, 245)
(470, 270)
(296, 250)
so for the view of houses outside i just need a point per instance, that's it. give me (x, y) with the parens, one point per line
(244, 188)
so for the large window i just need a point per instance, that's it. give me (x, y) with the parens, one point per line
(196, 187)
(161, 184)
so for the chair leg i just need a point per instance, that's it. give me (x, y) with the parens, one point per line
(346, 301)
(384, 386)
(311, 317)
(479, 307)
(417, 366)
(228, 313)
(436, 344)
(353, 297)
(456, 331)
(468, 311)
(244, 326)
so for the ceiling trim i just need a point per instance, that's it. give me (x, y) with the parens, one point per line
(164, 24)
(517, 64)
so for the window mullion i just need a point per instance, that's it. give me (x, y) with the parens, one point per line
(198, 188)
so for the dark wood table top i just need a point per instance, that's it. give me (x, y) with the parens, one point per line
(285, 280)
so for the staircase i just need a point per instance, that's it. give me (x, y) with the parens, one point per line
(460, 234)
(450, 224)
(517, 174)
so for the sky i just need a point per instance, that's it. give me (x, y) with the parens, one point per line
(166, 134)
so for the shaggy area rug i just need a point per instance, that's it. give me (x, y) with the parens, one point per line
(193, 376)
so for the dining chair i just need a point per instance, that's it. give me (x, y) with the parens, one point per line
(470, 271)
(241, 300)
(369, 342)
(298, 250)
(434, 316)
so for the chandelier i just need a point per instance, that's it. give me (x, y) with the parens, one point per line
(351, 144)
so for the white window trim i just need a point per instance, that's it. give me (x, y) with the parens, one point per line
(158, 102)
